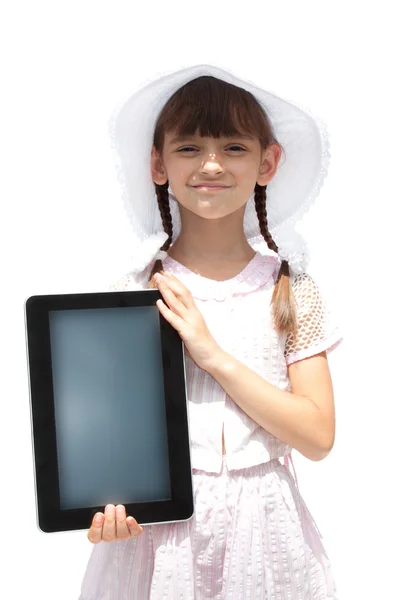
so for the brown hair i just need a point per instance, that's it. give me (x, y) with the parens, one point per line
(215, 108)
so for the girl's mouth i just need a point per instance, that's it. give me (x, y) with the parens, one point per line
(210, 188)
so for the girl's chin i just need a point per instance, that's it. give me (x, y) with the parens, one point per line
(212, 213)
(211, 207)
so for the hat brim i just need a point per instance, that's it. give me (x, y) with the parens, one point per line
(292, 191)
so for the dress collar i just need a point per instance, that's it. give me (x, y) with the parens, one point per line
(256, 273)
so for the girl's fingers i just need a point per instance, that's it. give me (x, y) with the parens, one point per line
(113, 525)
(169, 295)
(180, 291)
(122, 528)
(96, 529)
(168, 314)
(109, 527)
(134, 528)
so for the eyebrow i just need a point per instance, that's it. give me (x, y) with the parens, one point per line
(186, 138)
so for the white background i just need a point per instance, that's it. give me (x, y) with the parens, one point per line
(65, 65)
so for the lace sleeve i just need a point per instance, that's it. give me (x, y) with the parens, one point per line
(316, 328)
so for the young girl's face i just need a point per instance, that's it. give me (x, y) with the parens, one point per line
(213, 177)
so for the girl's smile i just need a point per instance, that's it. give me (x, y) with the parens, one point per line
(210, 188)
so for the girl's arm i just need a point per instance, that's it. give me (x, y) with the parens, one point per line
(303, 418)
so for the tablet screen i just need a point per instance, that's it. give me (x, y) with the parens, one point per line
(109, 406)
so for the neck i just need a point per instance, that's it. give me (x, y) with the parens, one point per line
(211, 240)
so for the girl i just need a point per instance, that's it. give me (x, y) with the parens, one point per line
(197, 150)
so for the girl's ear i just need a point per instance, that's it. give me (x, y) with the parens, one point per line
(158, 172)
(270, 158)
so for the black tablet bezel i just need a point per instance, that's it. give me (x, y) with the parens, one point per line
(37, 326)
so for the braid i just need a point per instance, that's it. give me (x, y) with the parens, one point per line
(260, 199)
(165, 212)
(283, 304)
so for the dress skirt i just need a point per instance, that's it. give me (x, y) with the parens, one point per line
(251, 538)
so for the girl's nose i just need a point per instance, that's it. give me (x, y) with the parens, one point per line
(212, 164)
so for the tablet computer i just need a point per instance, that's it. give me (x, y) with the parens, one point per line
(108, 409)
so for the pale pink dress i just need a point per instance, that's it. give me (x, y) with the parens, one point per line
(252, 536)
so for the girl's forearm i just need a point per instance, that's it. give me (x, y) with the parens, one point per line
(293, 419)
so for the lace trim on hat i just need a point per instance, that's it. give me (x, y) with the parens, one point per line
(323, 172)
(257, 273)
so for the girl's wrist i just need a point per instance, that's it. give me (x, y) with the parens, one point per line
(221, 362)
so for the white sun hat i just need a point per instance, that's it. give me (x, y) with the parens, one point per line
(295, 186)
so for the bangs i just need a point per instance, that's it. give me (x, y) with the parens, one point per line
(213, 108)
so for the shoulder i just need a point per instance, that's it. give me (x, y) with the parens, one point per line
(318, 329)
(303, 283)
(306, 292)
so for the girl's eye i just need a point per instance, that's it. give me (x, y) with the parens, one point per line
(233, 148)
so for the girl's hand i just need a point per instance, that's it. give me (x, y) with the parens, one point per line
(180, 310)
(113, 525)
